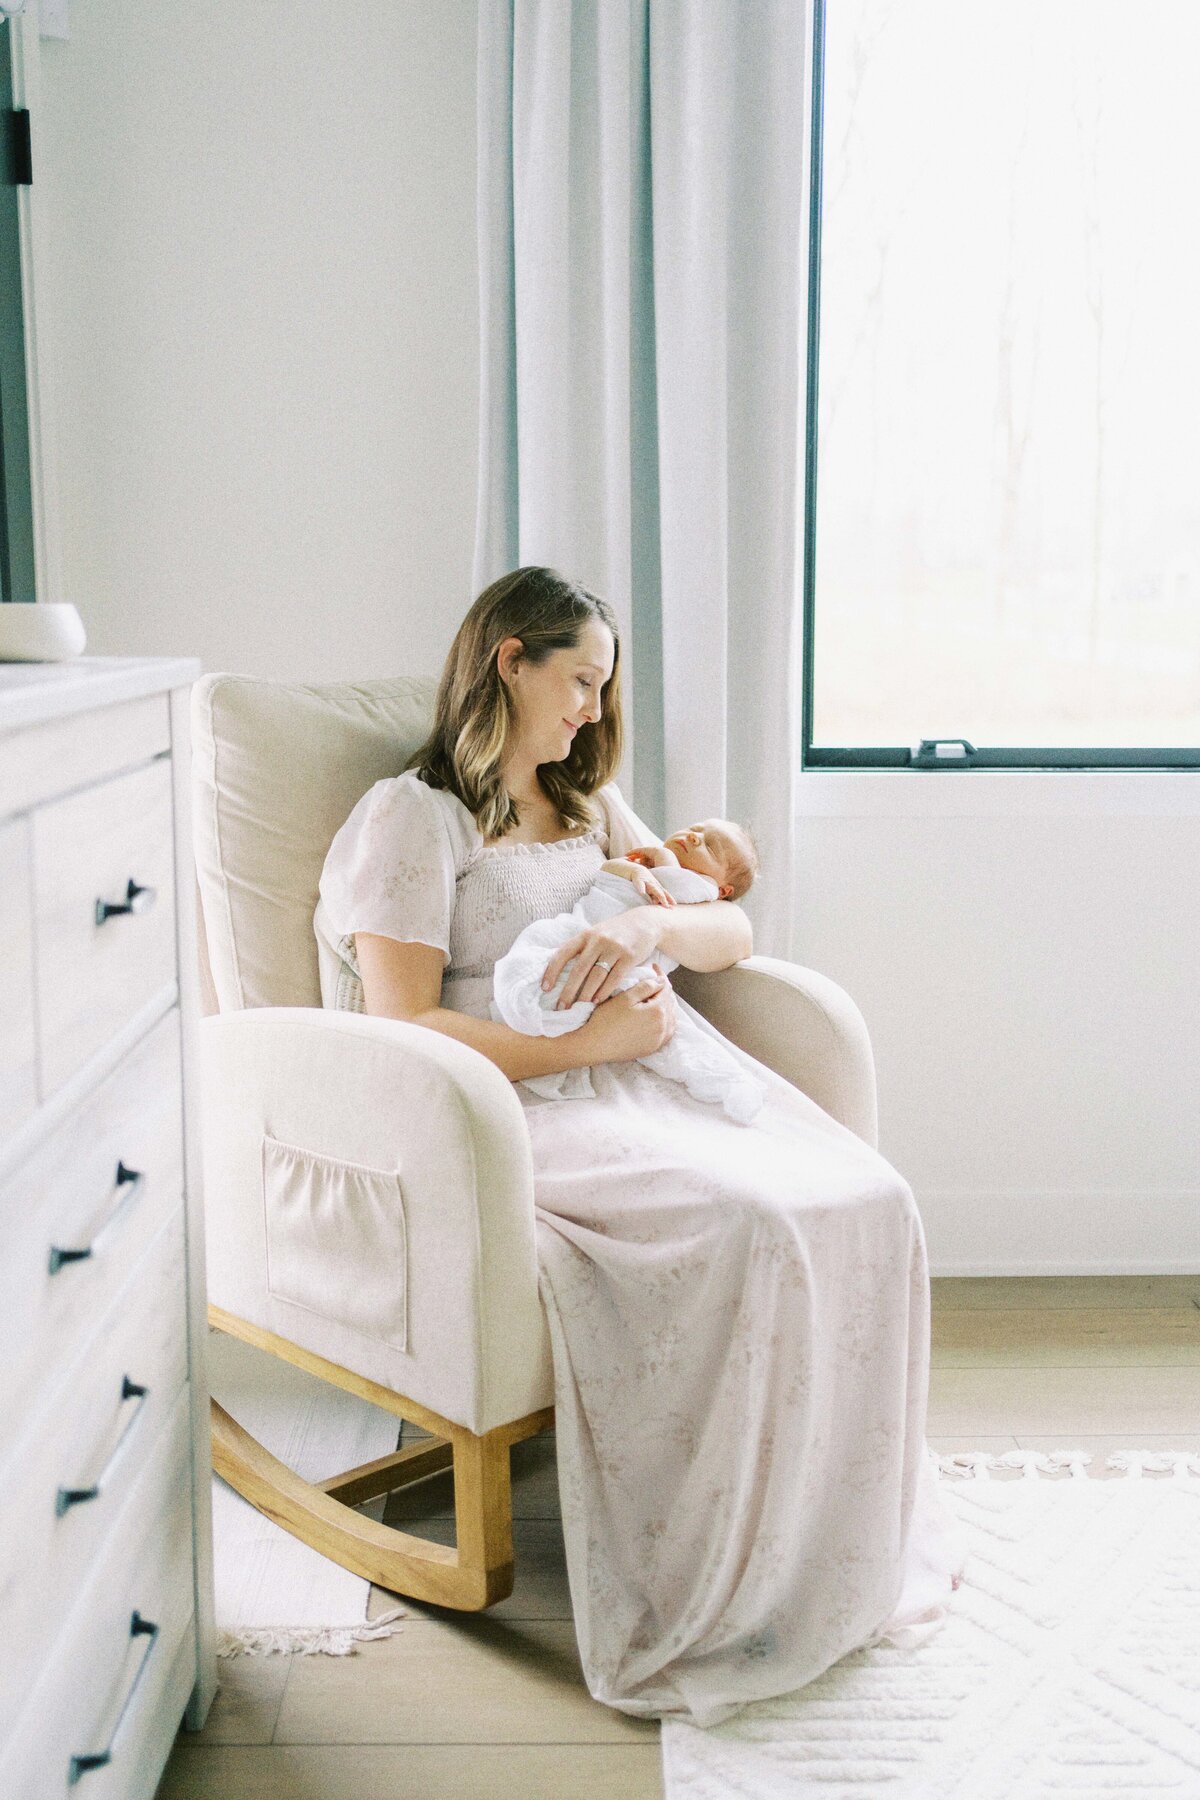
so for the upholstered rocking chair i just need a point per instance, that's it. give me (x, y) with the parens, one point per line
(368, 1182)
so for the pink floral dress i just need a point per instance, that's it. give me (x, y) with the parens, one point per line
(739, 1315)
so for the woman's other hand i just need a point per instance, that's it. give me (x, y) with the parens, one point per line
(622, 942)
(631, 1024)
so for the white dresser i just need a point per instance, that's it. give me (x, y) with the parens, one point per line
(106, 1614)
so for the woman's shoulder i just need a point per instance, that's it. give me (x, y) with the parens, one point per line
(447, 805)
(406, 801)
(622, 828)
(398, 794)
(605, 803)
(412, 787)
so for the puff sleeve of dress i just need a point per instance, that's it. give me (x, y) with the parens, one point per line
(624, 831)
(390, 870)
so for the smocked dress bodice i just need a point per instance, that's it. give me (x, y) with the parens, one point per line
(411, 864)
(501, 890)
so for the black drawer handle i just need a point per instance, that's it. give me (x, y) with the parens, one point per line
(80, 1765)
(129, 1178)
(69, 1497)
(137, 900)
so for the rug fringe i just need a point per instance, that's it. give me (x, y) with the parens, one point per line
(307, 1640)
(977, 1465)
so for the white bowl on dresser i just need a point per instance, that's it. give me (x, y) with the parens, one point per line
(106, 1608)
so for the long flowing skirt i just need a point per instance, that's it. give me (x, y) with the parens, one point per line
(739, 1318)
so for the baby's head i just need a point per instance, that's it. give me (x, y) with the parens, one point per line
(720, 849)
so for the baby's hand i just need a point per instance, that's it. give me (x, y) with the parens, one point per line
(653, 890)
(643, 881)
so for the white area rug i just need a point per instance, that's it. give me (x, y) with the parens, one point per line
(272, 1591)
(1069, 1663)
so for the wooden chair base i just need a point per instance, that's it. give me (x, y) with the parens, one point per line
(471, 1576)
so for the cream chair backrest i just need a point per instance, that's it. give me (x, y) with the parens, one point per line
(276, 768)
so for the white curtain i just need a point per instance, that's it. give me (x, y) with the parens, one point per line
(642, 169)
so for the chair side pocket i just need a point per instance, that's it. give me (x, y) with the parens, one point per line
(336, 1240)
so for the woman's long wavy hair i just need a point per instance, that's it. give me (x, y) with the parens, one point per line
(474, 715)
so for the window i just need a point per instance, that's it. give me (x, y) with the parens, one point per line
(1002, 526)
(16, 510)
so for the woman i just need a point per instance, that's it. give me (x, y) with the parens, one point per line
(739, 1314)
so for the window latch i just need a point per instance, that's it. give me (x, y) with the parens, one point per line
(941, 753)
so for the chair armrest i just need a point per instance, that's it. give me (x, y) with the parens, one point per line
(387, 1095)
(798, 1022)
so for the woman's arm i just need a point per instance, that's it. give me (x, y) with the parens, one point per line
(511, 1051)
(709, 934)
(704, 935)
(404, 981)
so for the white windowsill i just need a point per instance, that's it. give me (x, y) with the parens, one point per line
(998, 793)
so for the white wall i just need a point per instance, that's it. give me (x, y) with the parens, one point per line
(259, 284)
(1023, 947)
(259, 267)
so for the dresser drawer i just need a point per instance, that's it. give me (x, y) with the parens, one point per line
(18, 1045)
(98, 1691)
(83, 1451)
(41, 760)
(72, 1226)
(93, 975)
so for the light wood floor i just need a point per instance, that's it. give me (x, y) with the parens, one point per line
(458, 1707)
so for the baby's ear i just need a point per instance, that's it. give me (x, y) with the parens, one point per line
(725, 890)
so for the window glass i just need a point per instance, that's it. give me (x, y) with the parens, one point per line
(1008, 457)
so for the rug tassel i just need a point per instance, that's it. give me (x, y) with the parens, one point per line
(1039, 1464)
(976, 1463)
(307, 1640)
(1031, 1463)
(1073, 1460)
(1182, 1463)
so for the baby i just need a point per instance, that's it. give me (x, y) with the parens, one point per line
(714, 860)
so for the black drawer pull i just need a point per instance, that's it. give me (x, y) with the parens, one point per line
(69, 1497)
(137, 900)
(132, 1178)
(79, 1765)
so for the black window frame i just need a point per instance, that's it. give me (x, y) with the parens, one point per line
(901, 756)
(18, 574)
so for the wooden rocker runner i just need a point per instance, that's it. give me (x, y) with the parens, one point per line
(470, 1577)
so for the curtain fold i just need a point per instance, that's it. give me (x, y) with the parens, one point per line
(642, 285)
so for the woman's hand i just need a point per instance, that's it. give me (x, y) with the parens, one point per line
(622, 942)
(631, 1024)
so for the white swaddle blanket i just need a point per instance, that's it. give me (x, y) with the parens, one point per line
(689, 1055)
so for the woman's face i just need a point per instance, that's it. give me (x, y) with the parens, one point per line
(560, 696)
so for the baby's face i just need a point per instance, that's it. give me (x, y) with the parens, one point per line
(705, 849)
